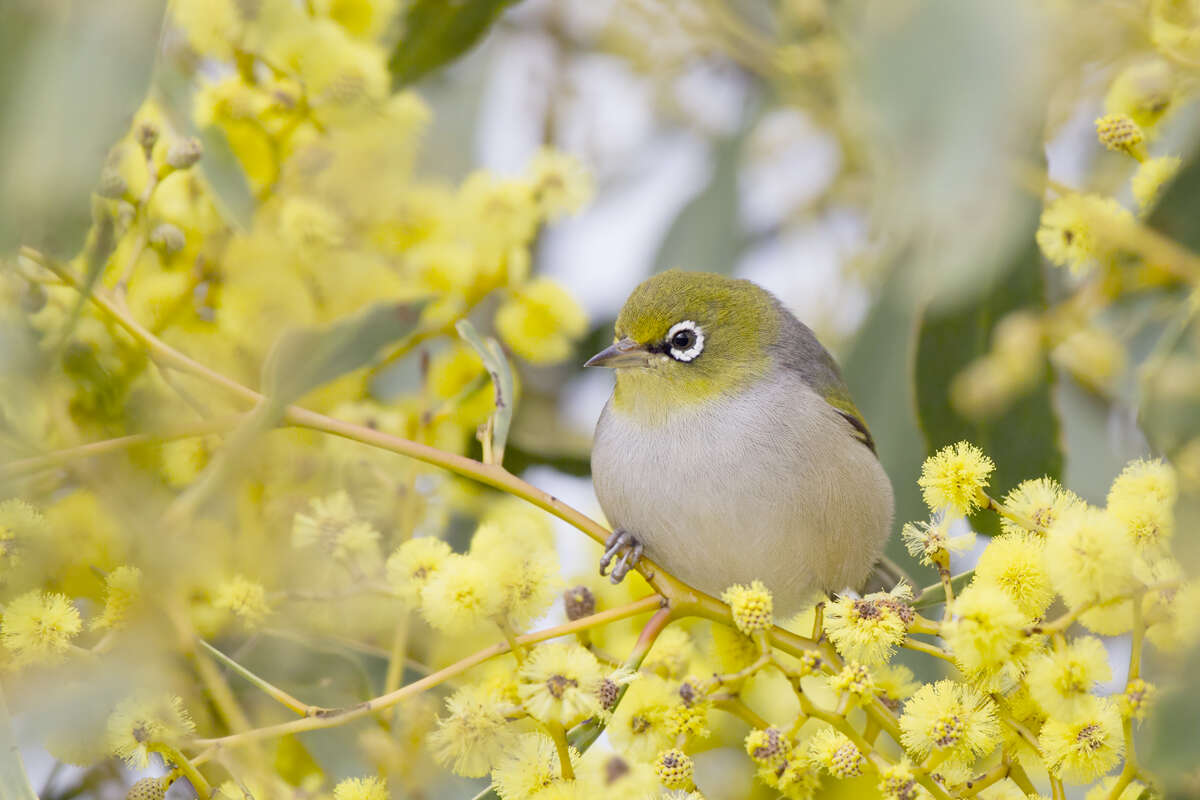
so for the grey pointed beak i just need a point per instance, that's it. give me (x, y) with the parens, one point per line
(625, 353)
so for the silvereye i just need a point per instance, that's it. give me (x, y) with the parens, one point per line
(730, 449)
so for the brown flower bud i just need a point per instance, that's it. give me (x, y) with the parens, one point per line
(167, 238)
(579, 602)
(184, 153)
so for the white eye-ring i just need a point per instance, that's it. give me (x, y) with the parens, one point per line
(685, 340)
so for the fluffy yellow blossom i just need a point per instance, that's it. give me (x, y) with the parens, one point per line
(560, 184)
(244, 597)
(984, 629)
(560, 682)
(1083, 748)
(527, 767)
(365, 19)
(1093, 355)
(1039, 500)
(954, 478)
(333, 525)
(1151, 176)
(361, 789)
(526, 573)
(145, 719)
(767, 746)
(122, 593)
(37, 627)
(306, 223)
(894, 684)
(1172, 623)
(474, 733)
(796, 778)
(1089, 556)
(21, 527)
(639, 727)
(1016, 564)
(501, 213)
(519, 521)
(931, 542)
(733, 649)
(1143, 499)
(541, 322)
(1072, 229)
(751, 606)
(671, 653)
(868, 629)
(833, 751)
(674, 769)
(339, 73)
(1119, 132)
(461, 596)
(413, 563)
(1061, 680)
(951, 718)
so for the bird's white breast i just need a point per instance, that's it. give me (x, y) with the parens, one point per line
(769, 484)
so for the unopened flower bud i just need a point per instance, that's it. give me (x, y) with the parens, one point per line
(112, 185)
(675, 769)
(767, 746)
(147, 136)
(751, 606)
(167, 238)
(184, 153)
(1119, 132)
(147, 789)
(579, 602)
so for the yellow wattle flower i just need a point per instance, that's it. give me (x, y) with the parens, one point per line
(954, 478)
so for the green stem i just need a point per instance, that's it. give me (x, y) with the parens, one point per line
(277, 694)
(169, 753)
(333, 717)
(67, 455)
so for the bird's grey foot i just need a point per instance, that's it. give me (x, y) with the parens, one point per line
(620, 540)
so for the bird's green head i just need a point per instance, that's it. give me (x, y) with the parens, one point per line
(685, 338)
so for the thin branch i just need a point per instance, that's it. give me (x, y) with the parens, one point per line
(300, 707)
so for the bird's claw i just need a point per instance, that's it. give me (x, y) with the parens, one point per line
(618, 541)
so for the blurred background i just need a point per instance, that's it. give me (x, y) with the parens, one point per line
(883, 166)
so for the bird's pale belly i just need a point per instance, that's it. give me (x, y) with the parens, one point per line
(771, 487)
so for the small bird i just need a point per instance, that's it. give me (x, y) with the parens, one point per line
(730, 449)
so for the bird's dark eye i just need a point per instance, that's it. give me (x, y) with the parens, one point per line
(685, 340)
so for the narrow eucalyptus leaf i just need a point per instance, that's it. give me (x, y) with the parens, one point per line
(436, 32)
(496, 363)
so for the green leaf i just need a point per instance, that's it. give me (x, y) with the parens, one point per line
(878, 370)
(497, 365)
(1174, 749)
(306, 358)
(227, 178)
(439, 31)
(1024, 439)
(1175, 214)
(300, 361)
(71, 76)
